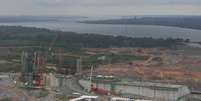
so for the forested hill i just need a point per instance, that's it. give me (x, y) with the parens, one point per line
(16, 35)
(193, 22)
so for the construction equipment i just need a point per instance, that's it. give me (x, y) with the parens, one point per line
(39, 70)
(78, 61)
(32, 69)
(33, 62)
(96, 90)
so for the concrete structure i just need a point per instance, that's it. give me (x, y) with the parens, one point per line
(86, 98)
(158, 91)
(51, 81)
(54, 81)
(4, 76)
(79, 65)
(121, 99)
(192, 97)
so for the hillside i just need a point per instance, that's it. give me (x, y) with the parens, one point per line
(17, 35)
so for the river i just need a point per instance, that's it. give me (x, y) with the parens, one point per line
(111, 29)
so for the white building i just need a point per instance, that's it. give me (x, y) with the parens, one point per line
(159, 91)
(85, 98)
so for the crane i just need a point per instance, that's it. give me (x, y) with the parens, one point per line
(40, 60)
(78, 60)
(59, 54)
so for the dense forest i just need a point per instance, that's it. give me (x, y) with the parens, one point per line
(19, 36)
(193, 22)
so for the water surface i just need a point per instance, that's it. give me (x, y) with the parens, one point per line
(114, 29)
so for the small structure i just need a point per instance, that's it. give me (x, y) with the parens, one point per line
(85, 98)
(51, 82)
(121, 99)
(4, 76)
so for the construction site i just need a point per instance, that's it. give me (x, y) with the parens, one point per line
(157, 77)
(102, 74)
(100, 50)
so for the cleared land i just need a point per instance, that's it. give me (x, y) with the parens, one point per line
(181, 66)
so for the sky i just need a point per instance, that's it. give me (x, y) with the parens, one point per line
(99, 7)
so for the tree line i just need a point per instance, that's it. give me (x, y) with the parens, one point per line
(19, 35)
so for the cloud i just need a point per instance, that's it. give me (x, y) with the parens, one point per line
(115, 2)
(48, 2)
(98, 7)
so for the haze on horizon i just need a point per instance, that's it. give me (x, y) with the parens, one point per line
(99, 7)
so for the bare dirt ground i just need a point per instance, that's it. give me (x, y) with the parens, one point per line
(182, 65)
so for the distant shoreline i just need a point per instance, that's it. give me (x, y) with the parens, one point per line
(192, 22)
(72, 25)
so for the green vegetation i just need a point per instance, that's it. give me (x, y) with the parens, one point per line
(95, 60)
(21, 36)
(6, 99)
(29, 38)
(10, 63)
(61, 98)
(10, 67)
(110, 58)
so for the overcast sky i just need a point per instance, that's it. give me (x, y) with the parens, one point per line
(100, 7)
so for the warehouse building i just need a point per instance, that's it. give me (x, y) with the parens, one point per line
(158, 91)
